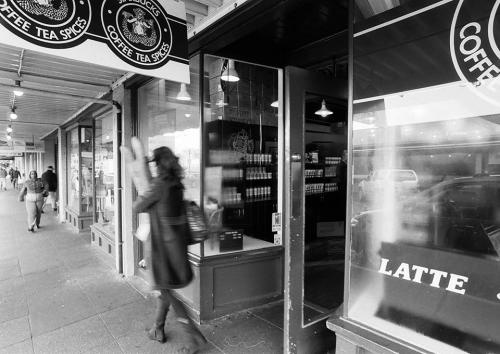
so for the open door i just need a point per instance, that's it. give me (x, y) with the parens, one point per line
(315, 189)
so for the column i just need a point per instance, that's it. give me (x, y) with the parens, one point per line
(62, 186)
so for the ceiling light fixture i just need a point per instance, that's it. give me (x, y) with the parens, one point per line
(183, 95)
(13, 114)
(9, 128)
(187, 115)
(275, 104)
(230, 74)
(323, 111)
(18, 92)
(9, 137)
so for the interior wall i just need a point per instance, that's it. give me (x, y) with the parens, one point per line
(48, 158)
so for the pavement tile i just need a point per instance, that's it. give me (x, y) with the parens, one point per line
(38, 263)
(52, 310)
(77, 337)
(13, 306)
(9, 271)
(12, 286)
(133, 317)
(110, 348)
(14, 331)
(25, 347)
(108, 294)
(244, 333)
(48, 280)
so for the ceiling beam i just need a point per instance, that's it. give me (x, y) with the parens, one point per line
(51, 80)
(196, 8)
(26, 122)
(48, 93)
(213, 3)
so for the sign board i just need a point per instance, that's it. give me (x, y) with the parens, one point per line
(276, 222)
(147, 37)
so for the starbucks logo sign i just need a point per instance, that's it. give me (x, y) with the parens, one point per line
(474, 38)
(49, 23)
(138, 31)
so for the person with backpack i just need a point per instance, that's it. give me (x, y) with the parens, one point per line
(14, 178)
(50, 179)
(162, 198)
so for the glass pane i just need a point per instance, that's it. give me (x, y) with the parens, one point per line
(87, 195)
(104, 173)
(241, 144)
(426, 188)
(74, 170)
(325, 177)
(169, 115)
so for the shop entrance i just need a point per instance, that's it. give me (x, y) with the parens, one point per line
(316, 143)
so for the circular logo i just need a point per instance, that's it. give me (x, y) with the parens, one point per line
(474, 35)
(49, 23)
(138, 31)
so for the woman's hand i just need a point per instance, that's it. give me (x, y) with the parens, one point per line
(136, 163)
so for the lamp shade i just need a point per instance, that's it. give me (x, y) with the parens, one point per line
(230, 74)
(183, 95)
(13, 114)
(275, 104)
(9, 129)
(323, 111)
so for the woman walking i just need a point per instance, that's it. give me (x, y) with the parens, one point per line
(33, 192)
(162, 199)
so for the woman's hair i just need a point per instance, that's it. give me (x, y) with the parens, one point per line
(33, 171)
(168, 163)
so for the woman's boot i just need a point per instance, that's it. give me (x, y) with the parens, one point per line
(157, 332)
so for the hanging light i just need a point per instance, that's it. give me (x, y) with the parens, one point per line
(323, 111)
(183, 95)
(13, 114)
(9, 137)
(9, 128)
(18, 92)
(275, 104)
(230, 74)
(187, 115)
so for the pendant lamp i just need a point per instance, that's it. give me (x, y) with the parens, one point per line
(9, 128)
(183, 95)
(13, 114)
(230, 74)
(323, 111)
(275, 104)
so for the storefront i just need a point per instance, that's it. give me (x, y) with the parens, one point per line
(421, 269)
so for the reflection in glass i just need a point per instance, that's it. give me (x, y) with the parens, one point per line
(87, 194)
(104, 173)
(241, 143)
(74, 170)
(169, 116)
(325, 178)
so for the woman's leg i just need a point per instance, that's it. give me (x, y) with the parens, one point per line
(182, 317)
(31, 211)
(157, 332)
(39, 205)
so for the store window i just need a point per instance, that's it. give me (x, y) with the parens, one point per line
(425, 248)
(241, 147)
(104, 173)
(169, 115)
(80, 191)
(74, 169)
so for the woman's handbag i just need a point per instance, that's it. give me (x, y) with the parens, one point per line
(196, 222)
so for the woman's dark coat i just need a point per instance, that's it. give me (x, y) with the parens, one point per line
(169, 232)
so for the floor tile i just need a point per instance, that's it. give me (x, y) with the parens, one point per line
(38, 263)
(78, 337)
(48, 280)
(273, 313)
(12, 307)
(14, 331)
(244, 333)
(25, 347)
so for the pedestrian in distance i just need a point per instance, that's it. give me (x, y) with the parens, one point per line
(14, 178)
(162, 198)
(3, 178)
(33, 193)
(49, 178)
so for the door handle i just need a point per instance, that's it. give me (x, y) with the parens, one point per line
(296, 157)
(296, 174)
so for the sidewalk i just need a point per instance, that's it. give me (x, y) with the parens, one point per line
(58, 294)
